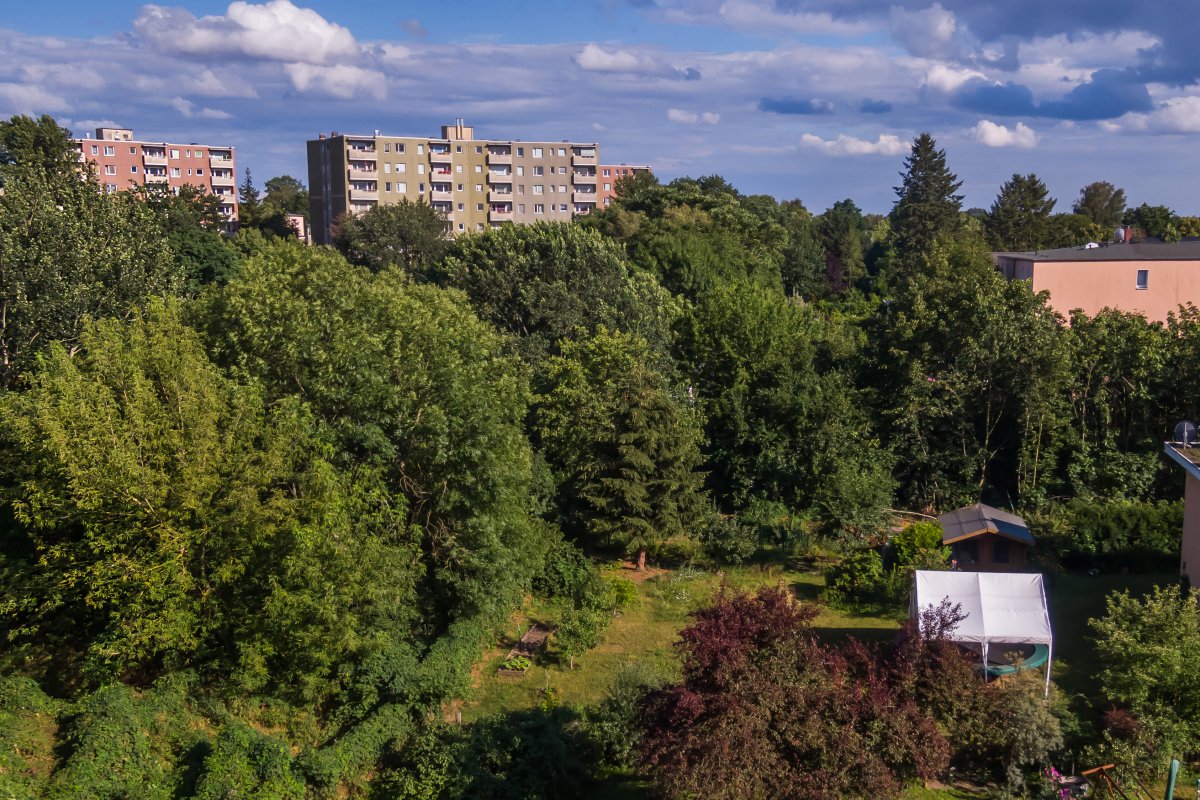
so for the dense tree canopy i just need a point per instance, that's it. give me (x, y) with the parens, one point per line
(1102, 203)
(405, 234)
(1020, 218)
(927, 204)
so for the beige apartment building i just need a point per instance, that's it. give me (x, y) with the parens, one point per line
(123, 162)
(476, 183)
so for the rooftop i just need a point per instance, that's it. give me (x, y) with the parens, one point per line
(963, 523)
(1138, 251)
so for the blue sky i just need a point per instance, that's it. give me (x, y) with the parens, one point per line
(815, 99)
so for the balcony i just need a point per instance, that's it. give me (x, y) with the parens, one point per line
(445, 209)
(585, 197)
(152, 177)
(364, 194)
(154, 159)
(500, 213)
(500, 195)
(222, 180)
(217, 162)
(585, 177)
(499, 158)
(439, 154)
(360, 174)
(583, 155)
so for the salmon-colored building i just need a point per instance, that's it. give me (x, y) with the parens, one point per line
(1148, 278)
(1189, 556)
(609, 174)
(122, 162)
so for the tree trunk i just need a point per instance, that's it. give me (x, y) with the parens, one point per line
(641, 560)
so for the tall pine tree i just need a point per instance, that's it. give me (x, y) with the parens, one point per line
(927, 205)
(1020, 217)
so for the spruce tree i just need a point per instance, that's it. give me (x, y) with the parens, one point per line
(1020, 217)
(927, 205)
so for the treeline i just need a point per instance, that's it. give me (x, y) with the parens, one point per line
(261, 505)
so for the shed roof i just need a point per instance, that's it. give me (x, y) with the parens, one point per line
(963, 523)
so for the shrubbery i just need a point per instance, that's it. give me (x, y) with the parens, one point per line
(1140, 536)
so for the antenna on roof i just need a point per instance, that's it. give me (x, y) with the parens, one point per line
(1185, 434)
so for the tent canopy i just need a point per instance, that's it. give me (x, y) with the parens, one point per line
(963, 523)
(999, 606)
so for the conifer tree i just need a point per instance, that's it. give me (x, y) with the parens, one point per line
(1020, 217)
(927, 205)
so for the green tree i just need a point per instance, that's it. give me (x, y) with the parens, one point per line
(804, 267)
(578, 631)
(405, 234)
(1102, 203)
(927, 205)
(37, 145)
(254, 213)
(841, 233)
(623, 441)
(68, 251)
(1148, 649)
(192, 221)
(548, 282)
(1157, 221)
(287, 194)
(1020, 216)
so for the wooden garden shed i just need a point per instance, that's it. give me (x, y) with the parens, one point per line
(986, 539)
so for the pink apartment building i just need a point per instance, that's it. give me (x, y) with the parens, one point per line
(607, 177)
(122, 162)
(1148, 278)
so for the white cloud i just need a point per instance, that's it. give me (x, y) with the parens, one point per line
(595, 58)
(272, 31)
(946, 79)
(341, 81)
(931, 33)
(992, 134)
(886, 145)
(21, 99)
(692, 118)
(760, 17)
(188, 109)
(1171, 115)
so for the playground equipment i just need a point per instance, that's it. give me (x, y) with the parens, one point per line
(1109, 782)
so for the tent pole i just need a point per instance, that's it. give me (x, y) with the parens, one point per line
(985, 652)
(1049, 665)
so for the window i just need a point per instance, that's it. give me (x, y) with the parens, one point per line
(387, 187)
(109, 150)
(420, 169)
(537, 188)
(479, 187)
(562, 151)
(538, 208)
(401, 168)
(562, 188)
(174, 172)
(478, 226)
(387, 147)
(562, 207)
(460, 206)
(460, 187)
(458, 167)
(521, 152)
(387, 167)
(458, 148)
(478, 150)
(95, 150)
(199, 171)
(460, 226)
(539, 171)
(562, 170)
(608, 187)
(110, 187)
(536, 152)
(133, 151)
(399, 147)
(420, 149)
(421, 188)
(174, 153)
(187, 153)
(520, 208)
(401, 187)
(608, 173)
(189, 170)
(1143, 279)
(520, 188)
(110, 169)
(133, 169)
(1000, 551)
(199, 154)
(479, 168)
(520, 170)
(479, 206)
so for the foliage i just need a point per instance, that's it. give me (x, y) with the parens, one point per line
(614, 725)
(547, 282)
(728, 539)
(1157, 221)
(1101, 202)
(247, 764)
(287, 194)
(915, 543)
(192, 221)
(1148, 648)
(841, 234)
(623, 442)
(1020, 218)
(28, 726)
(29, 145)
(927, 206)
(858, 576)
(764, 710)
(519, 663)
(1115, 534)
(68, 251)
(1029, 730)
(256, 214)
(405, 234)
(579, 631)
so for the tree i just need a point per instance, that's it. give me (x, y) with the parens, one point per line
(68, 251)
(405, 234)
(623, 442)
(1148, 649)
(192, 220)
(1020, 216)
(548, 282)
(764, 710)
(255, 214)
(36, 145)
(841, 232)
(578, 631)
(1102, 203)
(927, 206)
(286, 194)
(804, 265)
(1157, 221)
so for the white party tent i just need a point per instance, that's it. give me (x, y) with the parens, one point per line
(1000, 607)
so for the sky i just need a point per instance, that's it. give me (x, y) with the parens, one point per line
(811, 99)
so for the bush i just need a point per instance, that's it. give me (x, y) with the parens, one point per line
(919, 543)
(615, 724)
(858, 576)
(566, 573)
(516, 663)
(729, 540)
(1118, 534)
(245, 763)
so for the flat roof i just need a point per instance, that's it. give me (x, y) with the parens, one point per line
(1136, 251)
(1186, 457)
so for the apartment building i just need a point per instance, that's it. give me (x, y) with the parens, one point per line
(476, 183)
(122, 162)
(606, 186)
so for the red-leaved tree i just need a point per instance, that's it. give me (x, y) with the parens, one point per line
(765, 710)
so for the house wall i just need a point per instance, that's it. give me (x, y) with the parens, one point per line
(1189, 558)
(1096, 285)
(984, 560)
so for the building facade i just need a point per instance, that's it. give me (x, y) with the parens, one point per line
(1189, 555)
(475, 183)
(606, 186)
(1148, 278)
(123, 162)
